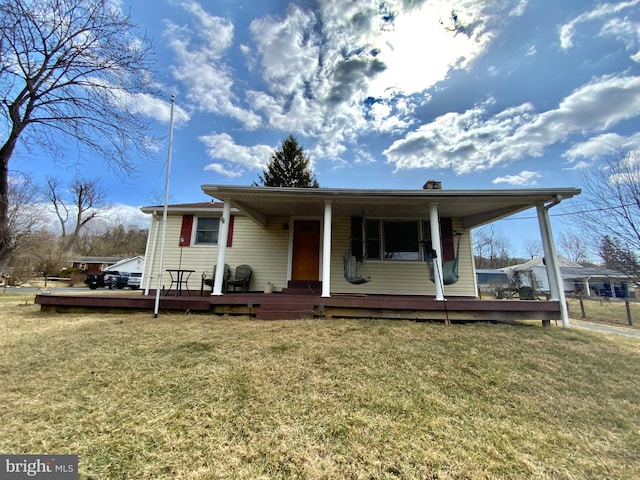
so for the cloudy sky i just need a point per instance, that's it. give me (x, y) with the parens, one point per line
(387, 94)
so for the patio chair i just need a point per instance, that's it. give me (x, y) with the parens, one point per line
(206, 280)
(242, 278)
(449, 269)
(526, 293)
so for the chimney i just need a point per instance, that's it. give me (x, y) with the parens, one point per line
(432, 185)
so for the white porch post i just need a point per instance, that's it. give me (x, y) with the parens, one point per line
(223, 234)
(551, 259)
(435, 244)
(326, 251)
(547, 246)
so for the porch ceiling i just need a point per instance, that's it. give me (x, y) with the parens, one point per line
(475, 207)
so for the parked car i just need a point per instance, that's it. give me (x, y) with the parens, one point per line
(109, 279)
(135, 280)
(123, 279)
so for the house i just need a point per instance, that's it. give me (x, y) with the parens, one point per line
(592, 280)
(92, 265)
(320, 239)
(131, 265)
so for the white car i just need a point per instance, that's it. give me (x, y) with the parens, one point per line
(135, 280)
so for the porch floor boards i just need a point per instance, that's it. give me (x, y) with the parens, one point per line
(283, 306)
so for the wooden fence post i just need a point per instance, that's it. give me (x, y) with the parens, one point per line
(626, 304)
(584, 315)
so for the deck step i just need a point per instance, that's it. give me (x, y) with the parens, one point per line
(303, 287)
(291, 310)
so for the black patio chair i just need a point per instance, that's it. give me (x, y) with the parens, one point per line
(206, 280)
(242, 278)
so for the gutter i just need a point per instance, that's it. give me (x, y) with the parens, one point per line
(555, 202)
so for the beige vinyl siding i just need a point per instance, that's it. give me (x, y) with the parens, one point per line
(267, 251)
(396, 277)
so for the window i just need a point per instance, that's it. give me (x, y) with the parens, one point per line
(385, 239)
(207, 231)
(401, 240)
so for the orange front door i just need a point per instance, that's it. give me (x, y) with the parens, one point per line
(306, 250)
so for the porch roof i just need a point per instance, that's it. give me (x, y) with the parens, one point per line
(474, 207)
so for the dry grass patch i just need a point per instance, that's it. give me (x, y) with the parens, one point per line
(605, 310)
(199, 397)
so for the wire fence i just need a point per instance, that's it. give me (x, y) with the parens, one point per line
(616, 311)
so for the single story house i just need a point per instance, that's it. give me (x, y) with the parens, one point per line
(591, 280)
(131, 265)
(340, 242)
(92, 265)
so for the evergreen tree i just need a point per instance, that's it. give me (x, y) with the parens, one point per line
(618, 257)
(289, 167)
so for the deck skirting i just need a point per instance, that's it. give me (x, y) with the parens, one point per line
(278, 306)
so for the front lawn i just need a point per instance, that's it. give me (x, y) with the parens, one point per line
(200, 397)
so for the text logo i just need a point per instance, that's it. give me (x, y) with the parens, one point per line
(49, 467)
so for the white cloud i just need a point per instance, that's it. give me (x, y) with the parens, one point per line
(602, 11)
(222, 146)
(425, 45)
(627, 32)
(474, 140)
(525, 177)
(224, 170)
(290, 51)
(519, 9)
(602, 146)
(199, 50)
(158, 109)
(320, 67)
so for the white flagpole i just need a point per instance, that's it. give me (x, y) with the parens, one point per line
(164, 213)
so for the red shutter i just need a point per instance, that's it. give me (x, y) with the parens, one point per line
(446, 233)
(230, 234)
(185, 231)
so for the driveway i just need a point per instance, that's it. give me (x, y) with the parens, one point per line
(597, 327)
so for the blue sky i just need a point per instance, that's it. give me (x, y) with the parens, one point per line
(479, 94)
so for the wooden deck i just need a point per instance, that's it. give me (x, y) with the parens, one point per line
(282, 306)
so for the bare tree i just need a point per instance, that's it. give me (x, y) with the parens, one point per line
(490, 247)
(532, 248)
(610, 205)
(26, 209)
(75, 206)
(573, 247)
(70, 69)
(117, 240)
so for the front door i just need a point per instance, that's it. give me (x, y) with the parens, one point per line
(305, 264)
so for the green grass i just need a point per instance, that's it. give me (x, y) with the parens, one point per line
(200, 397)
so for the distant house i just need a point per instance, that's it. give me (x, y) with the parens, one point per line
(596, 280)
(94, 264)
(131, 265)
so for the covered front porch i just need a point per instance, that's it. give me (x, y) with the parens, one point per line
(331, 208)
